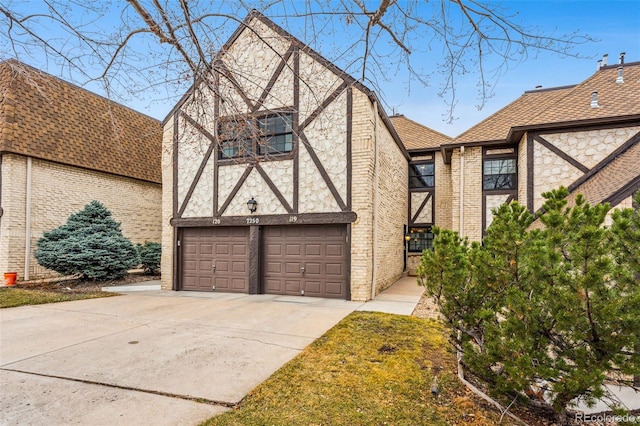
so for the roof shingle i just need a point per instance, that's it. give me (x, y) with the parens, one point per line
(44, 117)
(417, 136)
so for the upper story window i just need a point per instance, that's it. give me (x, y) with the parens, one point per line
(263, 135)
(500, 174)
(422, 175)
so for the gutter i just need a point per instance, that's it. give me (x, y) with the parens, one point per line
(461, 227)
(27, 238)
(374, 222)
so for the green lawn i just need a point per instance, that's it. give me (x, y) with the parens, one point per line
(370, 369)
(11, 297)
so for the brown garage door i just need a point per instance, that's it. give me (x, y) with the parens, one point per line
(305, 260)
(215, 259)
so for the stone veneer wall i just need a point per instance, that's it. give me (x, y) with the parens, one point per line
(57, 192)
(587, 147)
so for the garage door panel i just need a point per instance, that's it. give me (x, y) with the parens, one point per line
(293, 286)
(226, 248)
(239, 267)
(314, 249)
(334, 269)
(334, 288)
(320, 249)
(292, 268)
(312, 268)
(293, 249)
(334, 250)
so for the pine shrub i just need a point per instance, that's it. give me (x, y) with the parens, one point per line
(90, 244)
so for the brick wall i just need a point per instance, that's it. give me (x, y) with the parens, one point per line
(166, 265)
(443, 192)
(57, 191)
(472, 226)
(391, 204)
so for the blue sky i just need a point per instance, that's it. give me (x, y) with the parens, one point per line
(614, 24)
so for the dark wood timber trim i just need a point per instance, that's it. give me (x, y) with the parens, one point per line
(197, 126)
(530, 172)
(348, 262)
(560, 153)
(323, 172)
(273, 188)
(254, 259)
(216, 147)
(273, 79)
(175, 165)
(296, 126)
(605, 162)
(349, 145)
(203, 164)
(323, 106)
(627, 190)
(229, 76)
(177, 258)
(235, 189)
(276, 219)
(422, 204)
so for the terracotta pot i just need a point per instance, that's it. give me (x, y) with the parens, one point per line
(10, 278)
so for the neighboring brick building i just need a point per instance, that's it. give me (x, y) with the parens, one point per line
(584, 137)
(312, 147)
(62, 147)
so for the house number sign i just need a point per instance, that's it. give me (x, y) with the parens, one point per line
(253, 220)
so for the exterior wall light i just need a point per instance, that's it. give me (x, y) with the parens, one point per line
(407, 237)
(252, 205)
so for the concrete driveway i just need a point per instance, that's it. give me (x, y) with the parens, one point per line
(149, 357)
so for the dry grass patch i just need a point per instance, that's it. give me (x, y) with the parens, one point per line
(12, 297)
(370, 369)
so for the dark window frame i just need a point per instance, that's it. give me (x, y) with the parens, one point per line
(254, 140)
(421, 239)
(513, 177)
(419, 178)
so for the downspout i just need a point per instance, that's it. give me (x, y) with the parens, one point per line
(374, 250)
(27, 239)
(461, 227)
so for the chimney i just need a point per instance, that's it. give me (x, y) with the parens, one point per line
(599, 64)
(619, 80)
(604, 59)
(622, 57)
(594, 100)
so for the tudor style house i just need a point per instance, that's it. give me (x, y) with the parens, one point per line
(584, 137)
(62, 147)
(281, 175)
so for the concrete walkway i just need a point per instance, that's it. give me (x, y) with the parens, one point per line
(157, 357)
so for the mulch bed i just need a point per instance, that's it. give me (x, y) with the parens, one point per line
(84, 286)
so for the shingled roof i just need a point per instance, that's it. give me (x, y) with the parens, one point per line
(569, 104)
(415, 136)
(44, 117)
